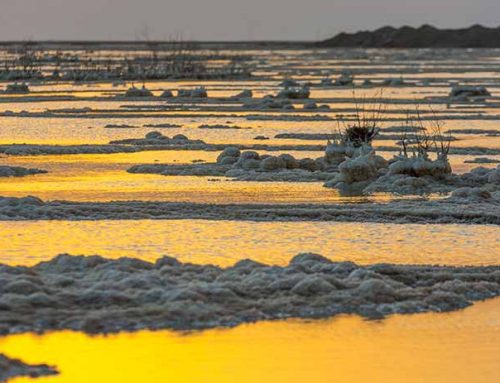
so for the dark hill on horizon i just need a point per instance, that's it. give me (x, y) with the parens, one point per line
(425, 36)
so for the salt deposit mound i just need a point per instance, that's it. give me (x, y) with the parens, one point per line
(17, 88)
(222, 127)
(10, 368)
(345, 79)
(157, 138)
(269, 102)
(98, 295)
(138, 92)
(35, 150)
(17, 171)
(463, 92)
(459, 209)
(246, 93)
(132, 145)
(246, 166)
(199, 92)
(294, 93)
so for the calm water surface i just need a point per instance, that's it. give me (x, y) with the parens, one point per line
(451, 347)
(458, 347)
(226, 242)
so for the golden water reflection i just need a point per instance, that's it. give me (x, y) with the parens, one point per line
(104, 177)
(226, 242)
(450, 347)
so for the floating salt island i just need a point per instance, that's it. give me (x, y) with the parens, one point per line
(17, 88)
(18, 171)
(350, 164)
(133, 92)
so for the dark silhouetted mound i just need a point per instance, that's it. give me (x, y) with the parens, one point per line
(426, 36)
(10, 368)
(98, 295)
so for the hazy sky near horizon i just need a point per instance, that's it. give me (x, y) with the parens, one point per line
(229, 19)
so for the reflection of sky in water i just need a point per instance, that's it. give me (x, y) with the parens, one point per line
(459, 347)
(226, 242)
(452, 347)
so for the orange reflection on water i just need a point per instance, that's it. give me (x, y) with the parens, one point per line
(458, 347)
(226, 242)
(104, 177)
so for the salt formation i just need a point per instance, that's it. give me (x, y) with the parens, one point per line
(356, 160)
(222, 127)
(98, 295)
(327, 136)
(17, 88)
(358, 171)
(368, 173)
(292, 117)
(294, 92)
(353, 142)
(465, 92)
(247, 166)
(120, 126)
(413, 171)
(138, 92)
(289, 83)
(167, 94)
(35, 150)
(448, 210)
(482, 160)
(133, 145)
(413, 175)
(403, 129)
(157, 138)
(345, 79)
(11, 368)
(311, 105)
(350, 164)
(398, 81)
(17, 171)
(194, 169)
(164, 125)
(479, 183)
(326, 82)
(70, 110)
(199, 92)
(304, 136)
(488, 132)
(251, 160)
(247, 93)
(269, 102)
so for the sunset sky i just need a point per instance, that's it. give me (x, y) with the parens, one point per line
(229, 19)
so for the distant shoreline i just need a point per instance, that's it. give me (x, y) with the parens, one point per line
(425, 36)
(157, 45)
(388, 37)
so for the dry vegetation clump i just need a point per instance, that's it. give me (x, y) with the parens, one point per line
(413, 171)
(354, 136)
(365, 126)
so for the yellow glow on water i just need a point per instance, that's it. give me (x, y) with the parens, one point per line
(455, 347)
(118, 185)
(226, 242)
(104, 177)
(449, 347)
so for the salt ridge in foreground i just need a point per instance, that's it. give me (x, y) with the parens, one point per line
(467, 207)
(98, 295)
